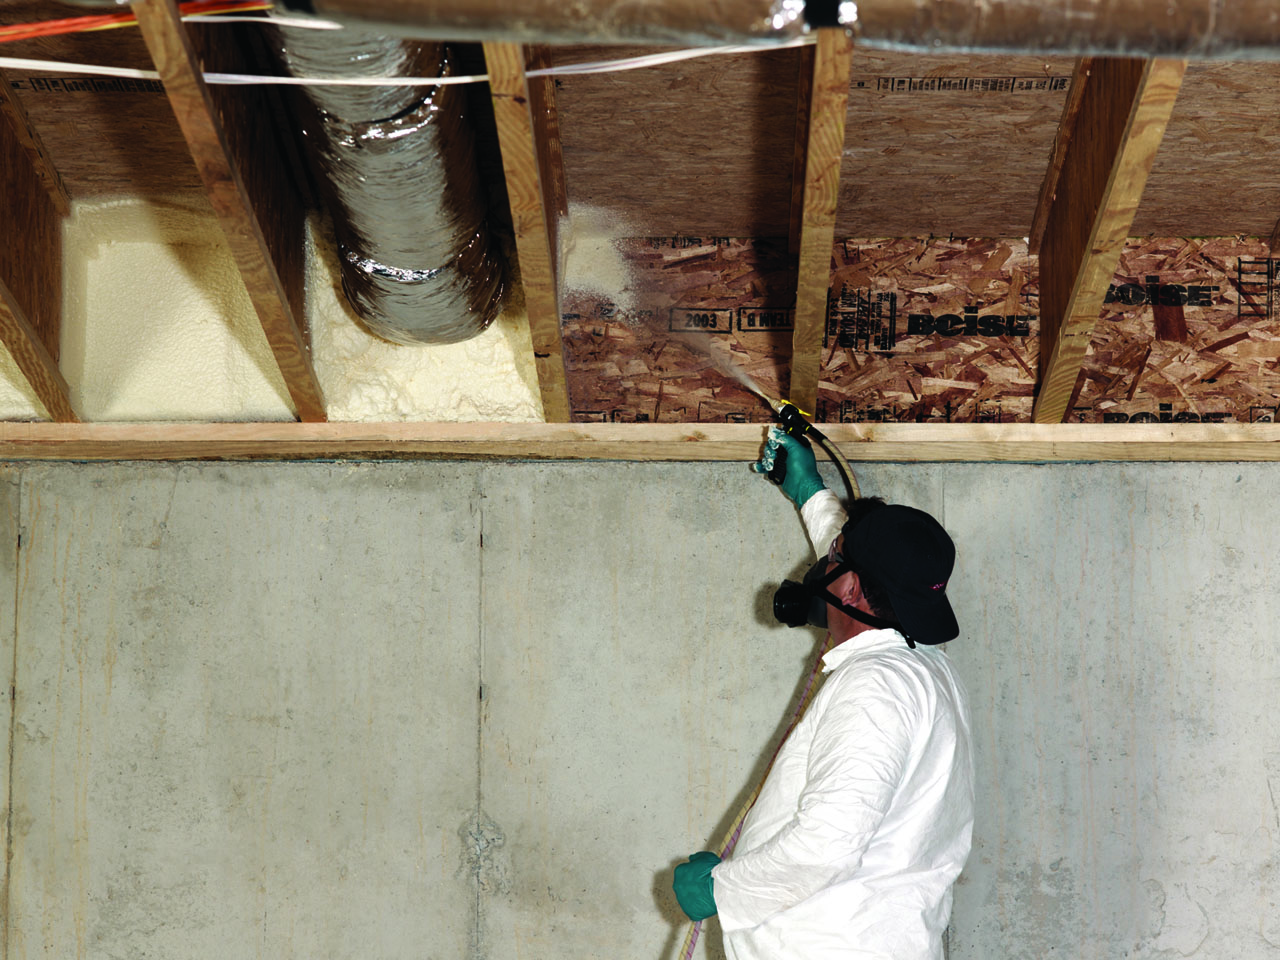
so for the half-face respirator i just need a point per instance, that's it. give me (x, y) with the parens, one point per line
(806, 602)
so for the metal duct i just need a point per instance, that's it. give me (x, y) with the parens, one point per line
(690, 22)
(1199, 29)
(397, 168)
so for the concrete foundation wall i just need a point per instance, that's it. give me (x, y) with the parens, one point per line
(443, 710)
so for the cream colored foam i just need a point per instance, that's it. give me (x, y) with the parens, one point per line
(366, 379)
(157, 324)
(590, 261)
(17, 400)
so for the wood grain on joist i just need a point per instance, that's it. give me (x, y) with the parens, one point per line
(271, 278)
(888, 442)
(1066, 130)
(1124, 108)
(823, 152)
(804, 90)
(12, 107)
(522, 121)
(34, 360)
(31, 272)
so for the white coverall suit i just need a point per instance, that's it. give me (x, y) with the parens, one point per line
(865, 820)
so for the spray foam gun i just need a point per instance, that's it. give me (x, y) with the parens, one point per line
(796, 423)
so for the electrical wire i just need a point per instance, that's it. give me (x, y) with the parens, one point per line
(589, 67)
(110, 21)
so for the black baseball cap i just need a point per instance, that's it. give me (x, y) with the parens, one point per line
(907, 552)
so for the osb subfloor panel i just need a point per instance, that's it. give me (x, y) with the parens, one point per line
(667, 349)
(1211, 178)
(966, 139)
(934, 145)
(106, 135)
(924, 331)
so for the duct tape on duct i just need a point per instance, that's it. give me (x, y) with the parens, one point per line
(397, 170)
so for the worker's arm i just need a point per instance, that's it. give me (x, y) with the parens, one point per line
(789, 462)
(857, 760)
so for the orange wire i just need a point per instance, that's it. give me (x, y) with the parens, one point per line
(108, 21)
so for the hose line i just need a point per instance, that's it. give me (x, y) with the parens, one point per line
(735, 827)
(792, 419)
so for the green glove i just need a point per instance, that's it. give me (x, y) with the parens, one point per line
(693, 886)
(789, 462)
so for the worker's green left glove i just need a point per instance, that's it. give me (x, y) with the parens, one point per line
(693, 886)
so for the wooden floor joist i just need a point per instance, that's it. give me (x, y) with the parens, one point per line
(249, 220)
(804, 91)
(27, 134)
(824, 150)
(33, 359)
(1121, 118)
(891, 442)
(522, 116)
(1066, 130)
(31, 261)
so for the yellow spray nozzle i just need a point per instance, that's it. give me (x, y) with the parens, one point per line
(777, 406)
(794, 420)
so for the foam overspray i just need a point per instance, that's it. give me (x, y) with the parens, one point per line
(592, 263)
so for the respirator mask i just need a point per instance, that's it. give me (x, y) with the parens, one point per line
(805, 603)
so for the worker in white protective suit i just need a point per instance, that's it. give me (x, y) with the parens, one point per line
(866, 817)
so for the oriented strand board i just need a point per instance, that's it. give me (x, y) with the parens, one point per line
(105, 135)
(1213, 176)
(931, 331)
(698, 146)
(948, 146)
(699, 309)
(707, 309)
(943, 145)
(928, 331)
(1215, 303)
(933, 144)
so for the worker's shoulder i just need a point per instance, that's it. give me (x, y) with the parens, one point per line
(898, 671)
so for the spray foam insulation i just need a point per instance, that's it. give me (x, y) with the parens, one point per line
(160, 327)
(490, 377)
(931, 330)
